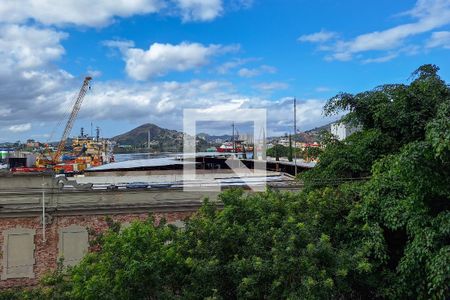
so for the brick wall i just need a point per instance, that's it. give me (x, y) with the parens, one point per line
(46, 253)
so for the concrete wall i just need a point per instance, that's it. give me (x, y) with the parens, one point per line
(29, 203)
(19, 181)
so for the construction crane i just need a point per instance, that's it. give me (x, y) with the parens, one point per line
(71, 120)
(46, 162)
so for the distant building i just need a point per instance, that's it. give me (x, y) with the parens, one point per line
(342, 130)
(284, 141)
(303, 146)
(32, 144)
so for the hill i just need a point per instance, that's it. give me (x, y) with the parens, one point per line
(161, 139)
(214, 139)
(316, 130)
(313, 135)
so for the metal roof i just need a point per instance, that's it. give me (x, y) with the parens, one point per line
(207, 154)
(310, 164)
(176, 160)
(140, 163)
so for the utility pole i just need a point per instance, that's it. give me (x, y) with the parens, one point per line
(234, 144)
(295, 132)
(148, 140)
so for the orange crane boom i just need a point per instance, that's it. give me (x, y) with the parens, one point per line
(71, 120)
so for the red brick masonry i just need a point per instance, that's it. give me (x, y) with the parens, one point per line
(46, 254)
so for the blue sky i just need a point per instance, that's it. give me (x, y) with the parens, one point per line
(150, 59)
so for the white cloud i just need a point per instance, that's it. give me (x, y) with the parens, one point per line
(439, 39)
(160, 100)
(380, 59)
(40, 136)
(234, 63)
(20, 127)
(31, 94)
(270, 86)
(122, 45)
(5, 112)
(35, 93)
(321, 36)
(76, 12)
(161, 103)
(101, 13)
(247, 72)
(29, 47)
(27, 73)
(160, 59)
(218, 110)
(94, 73)
(429, 15)
(239, 4)
(322, 89)
(199, 10)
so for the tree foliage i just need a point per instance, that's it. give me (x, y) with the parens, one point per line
(278, 151)
(403, 152)
(372, 222)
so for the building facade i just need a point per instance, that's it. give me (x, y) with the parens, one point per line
(341, 130)
(31, 247)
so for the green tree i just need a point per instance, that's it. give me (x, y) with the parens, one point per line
(372, 222)
(391, 116)
(398, 111)
(400, 221)
(311, 152)
(277, 151)
(260, 246)
(138, 262)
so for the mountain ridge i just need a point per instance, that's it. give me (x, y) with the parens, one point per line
(163, 139)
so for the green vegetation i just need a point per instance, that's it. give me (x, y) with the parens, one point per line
(279, 151)
(372, 222)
